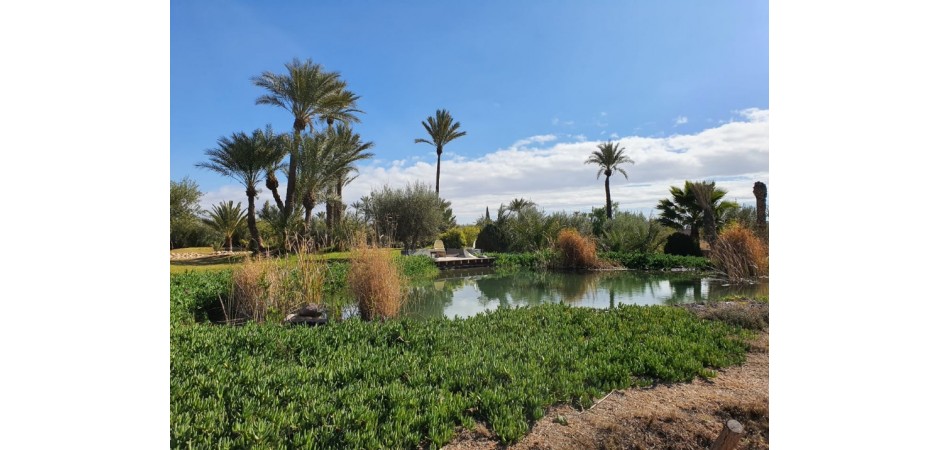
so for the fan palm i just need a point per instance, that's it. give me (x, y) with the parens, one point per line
(609, 157)
(683, 210)
(246, 158)
(442, 130)
(306, 91)
(226, 218)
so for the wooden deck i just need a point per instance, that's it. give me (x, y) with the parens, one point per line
(453, 262)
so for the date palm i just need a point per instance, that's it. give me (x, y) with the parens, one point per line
(246, 159)
(306, 91)
(609, 157)
(226, 218)
(351, 149)
(442, 130)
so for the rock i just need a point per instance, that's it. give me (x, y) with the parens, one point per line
(310, 315)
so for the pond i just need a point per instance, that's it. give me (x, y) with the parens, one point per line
(465, 293)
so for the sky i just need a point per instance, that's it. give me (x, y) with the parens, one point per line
(683, 86)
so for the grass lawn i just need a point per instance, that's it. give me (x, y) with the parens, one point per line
(210, 262)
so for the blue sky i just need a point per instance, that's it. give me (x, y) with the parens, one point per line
(520, 77)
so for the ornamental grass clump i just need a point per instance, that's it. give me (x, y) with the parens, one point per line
(255, 287)
(576, 251)
(739, 254)
(375, 283)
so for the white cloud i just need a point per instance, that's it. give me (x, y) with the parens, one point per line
(614, 136)
(735, 155)
(681, 120)
(539, 139)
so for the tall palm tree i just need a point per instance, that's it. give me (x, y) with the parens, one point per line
(609, 157)
(226, 218)
(683, 210)
(306, 91)
(351, 149)
(442, 129)
(246, 159)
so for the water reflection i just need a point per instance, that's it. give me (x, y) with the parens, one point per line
(470, 292)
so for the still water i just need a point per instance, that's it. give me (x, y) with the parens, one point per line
(468, 292)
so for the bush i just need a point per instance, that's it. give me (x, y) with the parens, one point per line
(575, 251)
(375, 283)
(739, 254)
(268, 289)
(681, 244)
(657, 261)
(492, 239)
(453, 238)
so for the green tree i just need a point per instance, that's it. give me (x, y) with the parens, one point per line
(184, 210)
(309, 93)
(349, 149)
(412, 215)
(442, 130)
(246, 159)
(226, 218)
(609, 157)
(683, 210)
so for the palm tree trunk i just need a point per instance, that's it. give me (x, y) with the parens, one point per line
(437, 182)
(272, 184)
(255, 244)
(610, 214)
(228, 241)
(292, 176)
(338, 214)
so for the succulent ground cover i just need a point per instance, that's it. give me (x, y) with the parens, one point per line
(411, 383)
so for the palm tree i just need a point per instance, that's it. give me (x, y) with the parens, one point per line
(703, 192)
(609, 157)
(245, 158)
(226, 218)
(683, 210)
(351, 149)
(306, 91)
(442, 129)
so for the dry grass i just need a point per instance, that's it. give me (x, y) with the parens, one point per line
(739, 254)
(576, 251)
(266, 288)
(375, 283)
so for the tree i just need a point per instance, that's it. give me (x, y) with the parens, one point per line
(246, 158)
(307, 91)
(683, 210)
(442, 130)
(184, 210)
(226, 218)
(609, 157)
(349, 149)
(412, 215)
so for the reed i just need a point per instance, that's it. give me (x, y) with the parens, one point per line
(739, 254)
(375, 283)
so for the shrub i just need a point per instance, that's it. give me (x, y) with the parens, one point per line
(470, 233)
(453, 238)
(739, 254)
(681, 244)
(575, 251)
(657, 261)
(492, 239)
(255, 286)
(375, 283)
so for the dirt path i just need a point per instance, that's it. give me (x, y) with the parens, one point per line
(679, 416)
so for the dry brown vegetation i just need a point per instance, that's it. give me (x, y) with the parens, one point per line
(739, 254)
(375, 283)
(576, 251)
(268, 288)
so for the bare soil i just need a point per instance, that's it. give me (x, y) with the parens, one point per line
(676, 416)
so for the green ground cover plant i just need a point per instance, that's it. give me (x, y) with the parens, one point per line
(409, 383)
(656, 261)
